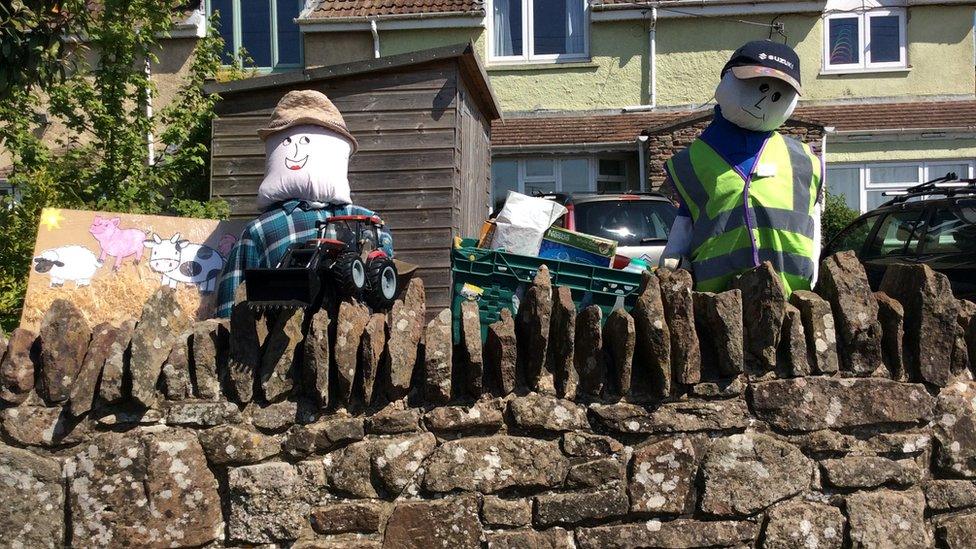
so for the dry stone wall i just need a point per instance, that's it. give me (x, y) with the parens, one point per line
(738, 419)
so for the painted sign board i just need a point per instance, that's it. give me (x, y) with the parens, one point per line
(108, 264)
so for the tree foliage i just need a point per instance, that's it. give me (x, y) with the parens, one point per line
(100, 159)
(33, 37)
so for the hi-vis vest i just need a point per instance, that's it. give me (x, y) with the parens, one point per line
(741, 220)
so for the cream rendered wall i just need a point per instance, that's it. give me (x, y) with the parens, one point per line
(334, 48)
(615, 76)
(691, 53)
(404, 41)
(883, 151)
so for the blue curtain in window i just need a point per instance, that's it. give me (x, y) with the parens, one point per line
(256, 31)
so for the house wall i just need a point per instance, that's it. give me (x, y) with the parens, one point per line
(615, 75)
(690, 55)
(337, 47)
(692, 52)
(900, 150)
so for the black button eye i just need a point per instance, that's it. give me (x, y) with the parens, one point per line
(776, 96)
(303, 140)
(287, 141)
(764, 88)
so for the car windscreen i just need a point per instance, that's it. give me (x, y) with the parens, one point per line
(629, 222)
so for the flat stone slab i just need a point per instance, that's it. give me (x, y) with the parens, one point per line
(32, 499)
(493, 464)
(450, 522)
(153, 490)
(887, 518)
(804, 524)
(546, 413)
(264, 507)
(674, 533)
(814, 403)
(674, 417)
(745, 473)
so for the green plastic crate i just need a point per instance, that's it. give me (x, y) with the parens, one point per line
(504, 277)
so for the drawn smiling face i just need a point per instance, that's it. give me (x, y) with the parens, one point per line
(760, 104)
(306, 162)
(296, 147)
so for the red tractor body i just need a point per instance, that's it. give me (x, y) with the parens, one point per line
(345, 260)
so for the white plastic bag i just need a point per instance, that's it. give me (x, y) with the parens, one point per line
(522, 222)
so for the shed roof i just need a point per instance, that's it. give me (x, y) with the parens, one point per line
(335, 9)
(471, 68)
(624, 128)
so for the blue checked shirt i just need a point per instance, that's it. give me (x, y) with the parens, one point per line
(265, 240)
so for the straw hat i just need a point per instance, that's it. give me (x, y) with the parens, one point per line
(299, 107)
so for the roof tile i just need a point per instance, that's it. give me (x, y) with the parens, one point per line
(622, 128)
(330, 9)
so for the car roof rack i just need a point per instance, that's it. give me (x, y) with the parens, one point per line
(968, 186)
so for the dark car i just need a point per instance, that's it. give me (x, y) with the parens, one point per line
(638, 221)
(930, 224)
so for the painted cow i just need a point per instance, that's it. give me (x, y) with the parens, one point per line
(75, 263)
(180, 261)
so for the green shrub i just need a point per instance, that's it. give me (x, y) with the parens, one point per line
(836, 216)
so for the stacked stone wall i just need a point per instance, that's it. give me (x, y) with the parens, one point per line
(838, 418)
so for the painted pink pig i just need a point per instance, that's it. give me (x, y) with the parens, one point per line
(116, 242)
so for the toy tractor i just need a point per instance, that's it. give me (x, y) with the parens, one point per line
(345, 259)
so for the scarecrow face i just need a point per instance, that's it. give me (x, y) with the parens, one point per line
(306, 163)
(759, 104)
(307, 148)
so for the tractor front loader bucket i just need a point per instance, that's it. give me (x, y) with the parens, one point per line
(271, 290)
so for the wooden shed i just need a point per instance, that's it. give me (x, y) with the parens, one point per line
(423, 122)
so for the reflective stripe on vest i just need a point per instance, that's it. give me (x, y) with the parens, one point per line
(780, 212)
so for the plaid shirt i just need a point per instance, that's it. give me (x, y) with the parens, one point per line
(265, 240)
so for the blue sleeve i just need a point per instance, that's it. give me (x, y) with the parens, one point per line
(244, 255)
(683, 210)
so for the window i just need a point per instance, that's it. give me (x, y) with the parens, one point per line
(853, 237)
(897, 235)
(538, 30)
(264, 29)
(952, 231)
(869, 40)
(7, 192)
(563, 175)
(612, 176)
(864, 186)
(629, 222)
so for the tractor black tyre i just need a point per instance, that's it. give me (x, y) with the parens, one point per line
(381, 286)
(349, 275)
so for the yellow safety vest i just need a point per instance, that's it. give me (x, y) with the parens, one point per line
(742, 220)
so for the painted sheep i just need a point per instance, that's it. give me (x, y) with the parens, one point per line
(180, 261)
(75, 263)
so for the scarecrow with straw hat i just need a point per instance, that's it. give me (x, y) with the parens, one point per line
(307, 150)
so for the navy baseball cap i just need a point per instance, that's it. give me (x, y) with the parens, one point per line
(766, 58)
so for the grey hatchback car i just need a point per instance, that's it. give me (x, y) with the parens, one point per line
(639, 222)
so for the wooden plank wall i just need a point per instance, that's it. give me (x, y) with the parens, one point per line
(406, 168)
(475, 164)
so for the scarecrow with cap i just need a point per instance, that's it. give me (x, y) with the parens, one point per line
(748, 193)
(307, 150)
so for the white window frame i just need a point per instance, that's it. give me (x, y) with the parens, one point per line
(611, 178)
(528, 39)
(864, 63)
(924, 173)
(593, 167)
(273, 23)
